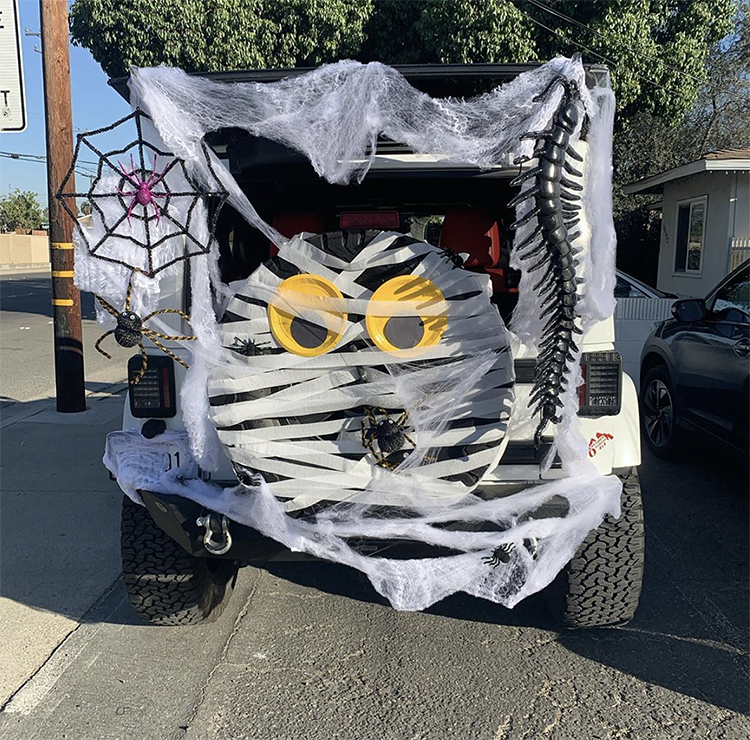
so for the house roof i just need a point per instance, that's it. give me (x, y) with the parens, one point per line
(723, 160)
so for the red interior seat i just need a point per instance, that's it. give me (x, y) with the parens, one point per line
(476, 232)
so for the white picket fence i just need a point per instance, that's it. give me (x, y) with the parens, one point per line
(634, 320)
(739, 251)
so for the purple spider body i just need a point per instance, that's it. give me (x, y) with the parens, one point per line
(143, 195)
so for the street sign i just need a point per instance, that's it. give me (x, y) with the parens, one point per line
(12, 97)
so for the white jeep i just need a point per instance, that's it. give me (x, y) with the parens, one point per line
(180, 560)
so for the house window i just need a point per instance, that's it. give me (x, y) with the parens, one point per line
(691, 229)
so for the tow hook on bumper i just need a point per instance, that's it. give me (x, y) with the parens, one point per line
(216, 539)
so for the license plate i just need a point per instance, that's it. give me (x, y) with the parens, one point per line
(176, 456)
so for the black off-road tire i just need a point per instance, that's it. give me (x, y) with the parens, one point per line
(601, 585)
(166, 585)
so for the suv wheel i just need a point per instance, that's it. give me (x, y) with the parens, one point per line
(165, 584)
(659, 414)
(601, 585)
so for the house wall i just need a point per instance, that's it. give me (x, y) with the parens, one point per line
(726, 217)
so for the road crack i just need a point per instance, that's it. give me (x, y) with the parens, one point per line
(222, 659)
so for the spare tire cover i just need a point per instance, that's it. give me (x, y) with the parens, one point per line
(363, 366)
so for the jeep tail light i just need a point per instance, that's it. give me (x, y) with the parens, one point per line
(601, 391)
(154, 395)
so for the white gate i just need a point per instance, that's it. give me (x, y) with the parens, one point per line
(739, 251)
(634, 320)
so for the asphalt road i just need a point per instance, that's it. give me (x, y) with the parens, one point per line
(310, 651)
(26, 341)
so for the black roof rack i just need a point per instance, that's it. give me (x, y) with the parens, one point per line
(439, 80)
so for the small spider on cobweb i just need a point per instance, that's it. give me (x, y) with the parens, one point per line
(501, 554)
(388, 434)
(453, 257)
(131, 329)
(248, 348)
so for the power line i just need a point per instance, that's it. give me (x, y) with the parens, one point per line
(39, 158)
(609, 40)
(590, 51)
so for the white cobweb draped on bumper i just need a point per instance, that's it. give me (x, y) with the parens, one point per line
(304, 431)
(414, 584)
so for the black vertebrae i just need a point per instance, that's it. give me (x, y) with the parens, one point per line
(548, 247)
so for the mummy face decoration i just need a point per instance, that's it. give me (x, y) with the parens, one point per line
(363, 366)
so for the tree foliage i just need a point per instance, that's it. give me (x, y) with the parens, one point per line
(656, 49)
(20, 210)
(682, 84)
(211, 35)
(646, 144)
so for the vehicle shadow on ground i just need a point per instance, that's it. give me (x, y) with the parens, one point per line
(689, 634)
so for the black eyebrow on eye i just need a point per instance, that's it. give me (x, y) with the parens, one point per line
(373, 277)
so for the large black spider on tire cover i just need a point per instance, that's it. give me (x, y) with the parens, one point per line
(165, 584)
(601, 585)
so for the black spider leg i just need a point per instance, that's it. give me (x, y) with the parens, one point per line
(549, 248)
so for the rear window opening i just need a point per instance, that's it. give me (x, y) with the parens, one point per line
(462, 210)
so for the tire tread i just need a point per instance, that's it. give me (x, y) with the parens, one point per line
(166, 585)
(601, 586)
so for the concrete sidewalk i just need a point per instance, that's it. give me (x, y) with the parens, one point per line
(59, 538)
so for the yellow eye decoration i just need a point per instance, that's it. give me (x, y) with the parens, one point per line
(302, 318)
(406, 314)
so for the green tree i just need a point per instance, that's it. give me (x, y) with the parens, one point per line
(20, 210)
(656, 49)
(210, 35)
(646, 144)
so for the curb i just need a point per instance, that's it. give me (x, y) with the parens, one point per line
(29, 409)
(30, 267)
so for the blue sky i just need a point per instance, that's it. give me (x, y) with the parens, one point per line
(95, 104)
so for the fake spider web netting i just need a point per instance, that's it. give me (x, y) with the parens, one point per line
(306, 432)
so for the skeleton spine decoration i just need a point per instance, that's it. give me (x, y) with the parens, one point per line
(549, 245)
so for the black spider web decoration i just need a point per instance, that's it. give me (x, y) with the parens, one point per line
(146, 198)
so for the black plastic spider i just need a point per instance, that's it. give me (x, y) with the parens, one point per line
(390, 437)
(131, 329)
(454, 257)
(248, 348)
(501, 554)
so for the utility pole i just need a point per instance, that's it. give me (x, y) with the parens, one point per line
(66, 299)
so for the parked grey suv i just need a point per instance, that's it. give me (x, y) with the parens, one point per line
(695, 369)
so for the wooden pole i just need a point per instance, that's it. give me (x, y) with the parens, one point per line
(66, 299)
